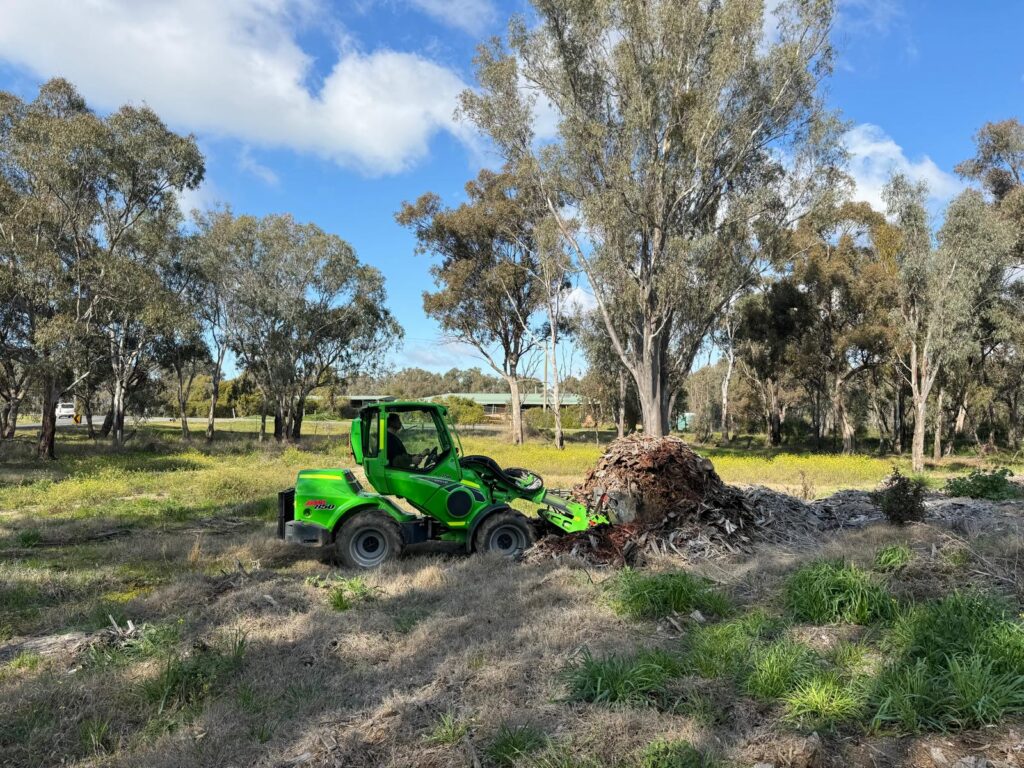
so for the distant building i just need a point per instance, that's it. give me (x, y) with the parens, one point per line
(496, 404)
(361, 401)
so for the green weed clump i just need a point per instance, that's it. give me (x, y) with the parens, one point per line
(675, 754)
(994, 485)
(648, 597)
(632, 679)
(901, 498)
(957, 662)
(450, 729)
(186, 680)
(824, 701)
(778, 668)
(893, 557)
(513, 742)
(725, 649)
(344, 594)
(831, 592)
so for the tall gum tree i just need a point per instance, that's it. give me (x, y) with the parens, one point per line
(685, 137)
(486, 286)
(939, 285)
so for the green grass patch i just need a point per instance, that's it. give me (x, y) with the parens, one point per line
(514, 742)
(632, 679)
(449, 730)
(675, 754)
(893, 557)
(725, 649)
(153, 640)
(185, 681)
(642, 596)
(832, 592)
(778, 668)
(825, 701)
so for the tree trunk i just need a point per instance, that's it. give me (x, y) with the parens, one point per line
(11, 418)
(920, 423)
(87, 412)
(774, 414)
(117, 406)
(183, 413)
(5, 412)
(725, 397)
(650, 389)
(556, 391)
(108, 423)
(214, 395)
(263, 422)
(937, 441)
(515, 407)
(842, 417)
(621, 423)
(300, 411)
(278, 421)
(46, 447)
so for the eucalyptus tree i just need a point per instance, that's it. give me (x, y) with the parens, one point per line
(303, 310)
(850, 294)
(135, 280)
(50, 174)
(485, 278)
(939, 286)
(221, 241)
(685, 139)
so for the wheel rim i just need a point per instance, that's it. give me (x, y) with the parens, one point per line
(506, 540)
(370, 548)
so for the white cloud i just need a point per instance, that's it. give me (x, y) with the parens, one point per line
(472, 16)
(580, 300)
(235, 68)
(875, 156)
(251, 165)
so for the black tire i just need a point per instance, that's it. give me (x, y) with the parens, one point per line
(507, 533)
(368, 539)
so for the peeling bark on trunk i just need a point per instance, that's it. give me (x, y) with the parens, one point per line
(724, 426)
(515, 409)
(937, 441)
(621, 423)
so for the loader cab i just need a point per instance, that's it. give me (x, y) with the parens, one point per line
(396, 442)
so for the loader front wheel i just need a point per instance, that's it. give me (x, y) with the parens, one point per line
(369, 539)
(505, 533)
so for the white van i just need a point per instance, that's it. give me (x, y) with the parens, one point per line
(66, 410)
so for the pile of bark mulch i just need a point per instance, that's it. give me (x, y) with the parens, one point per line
(665, 499)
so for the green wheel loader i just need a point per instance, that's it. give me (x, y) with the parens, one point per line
(410, 450)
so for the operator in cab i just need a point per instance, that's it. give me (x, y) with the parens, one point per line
(398, 456)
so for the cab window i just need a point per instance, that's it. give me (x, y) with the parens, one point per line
(414, 440)
(371, 433)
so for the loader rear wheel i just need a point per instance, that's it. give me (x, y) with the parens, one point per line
(369, 539)
(505, 533)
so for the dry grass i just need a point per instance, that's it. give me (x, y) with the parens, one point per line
(181, 539)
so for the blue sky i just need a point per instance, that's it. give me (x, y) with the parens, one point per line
(339, 111)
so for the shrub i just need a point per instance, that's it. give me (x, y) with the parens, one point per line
(634, 679)
(462, 410)
(994, 485)
(893, 557)
(512, 742)
(674, 754)
(828, 592)
(901, 498)
(540, 418)
(640, 596)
